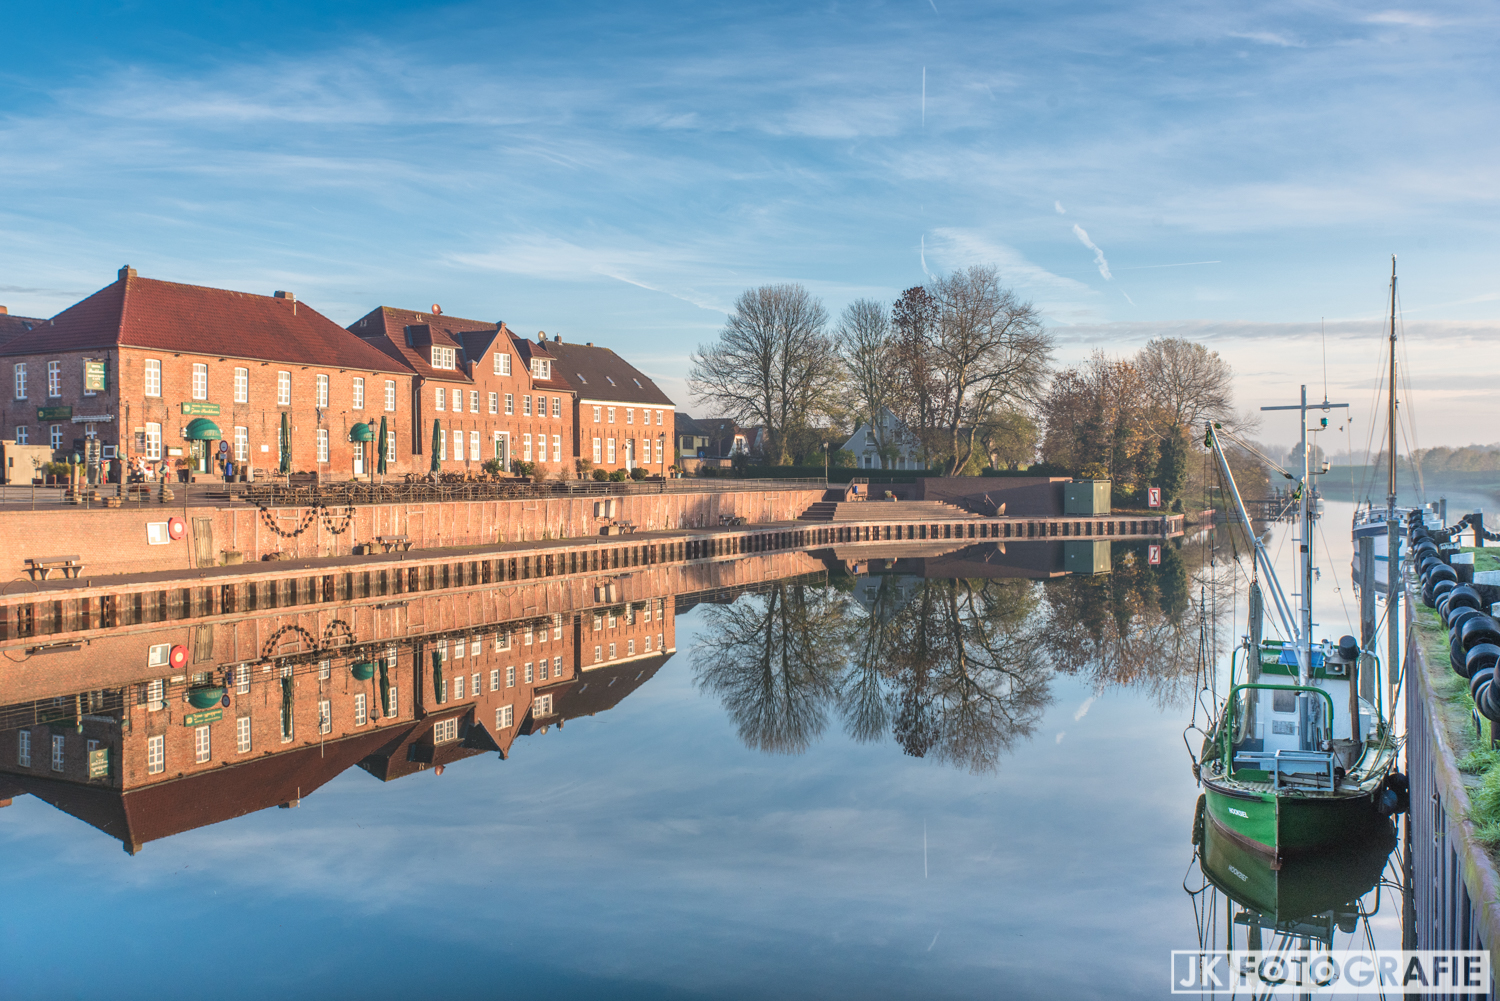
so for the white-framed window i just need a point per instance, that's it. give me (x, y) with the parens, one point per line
(610, 447)
(390, 446)
(242, 735)
(54, 378)
(358, 391)
(325, 669)
(459, 646)
(444, 357)
(153, 441)
(458, 401)
(611, 415)
(57, 437)
(445, 730)
(474, 446)
(321, 391)
(23, 434)
(473, 401)
(658, 417)
(629, 415)
(475, 647)
(630, 648)
(440, 398)
(611, 651)
(442, 444)
(598, 414)
(541, 673)
(202, 746)
(557, 667)
(526, 406)
(322, 444)
(510, 676)
(242, 675)
(152, 386)
(660, 444)
(658, 642)
(283, 389)
(557, 448)
(598, 654)
(200, 382)
(502, 640)
(242, 385)
(21, 380)
(541, 368)
(646, 643)
(541, 406)
(474, 684)
(510, 403)
(395, 704)
(530, 672)
(502, 363)
(23, 749)
(156, 692)
(494, 403)
(525, 447)
(494, 679)
(557, 406)
(156, 755)
(542, 706)
(598, 451)
(505, 717)
(241, 444)
(361, 709)
(390, 395)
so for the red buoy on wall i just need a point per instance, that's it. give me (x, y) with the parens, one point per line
(175, 528)
(178, 657)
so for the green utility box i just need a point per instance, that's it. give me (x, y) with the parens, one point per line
(1086, 557)
(1086, 497)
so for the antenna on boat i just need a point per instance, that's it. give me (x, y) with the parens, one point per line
(1390, 497)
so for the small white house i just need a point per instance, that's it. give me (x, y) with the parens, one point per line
(866, 443)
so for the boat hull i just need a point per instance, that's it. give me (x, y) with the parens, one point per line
(1288, 825)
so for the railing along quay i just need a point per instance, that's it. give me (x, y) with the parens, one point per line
(1454, 890)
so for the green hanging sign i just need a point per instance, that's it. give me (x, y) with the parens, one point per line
(200, 409)
(206, 716)
(99, 763)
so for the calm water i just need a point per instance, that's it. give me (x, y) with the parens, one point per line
(884, 784)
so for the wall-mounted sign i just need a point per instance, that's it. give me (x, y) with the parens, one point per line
(99, 763)
(54, 413)
(198, 408)
(1153, 496)
(174, 451)
(140, 441)
(206, 716)
(94, 379)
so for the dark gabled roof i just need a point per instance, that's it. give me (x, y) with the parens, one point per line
(686, 425)
(385, 328)
(162, 809)
(542, 349)
(146, 313)
(600, 374)
(12, 326)
(602, 689)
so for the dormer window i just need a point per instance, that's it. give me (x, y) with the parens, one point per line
(541, 368)
(444, 357)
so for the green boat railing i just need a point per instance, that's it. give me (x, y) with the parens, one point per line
(1230, 709)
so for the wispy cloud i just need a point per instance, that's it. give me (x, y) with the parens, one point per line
(1099, 260)
(1268, 38)
(1410, 18)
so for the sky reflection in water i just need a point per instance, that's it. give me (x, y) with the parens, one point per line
(654, 850)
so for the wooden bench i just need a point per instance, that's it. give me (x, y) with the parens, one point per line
(394, 542)
(43, 565)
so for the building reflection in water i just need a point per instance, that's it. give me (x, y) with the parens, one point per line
(151, 730)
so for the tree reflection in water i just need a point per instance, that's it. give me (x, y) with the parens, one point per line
(957, 670)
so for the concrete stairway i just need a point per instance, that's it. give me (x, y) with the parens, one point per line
(883, 511)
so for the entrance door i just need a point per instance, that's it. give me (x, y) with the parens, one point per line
(629, 453)
(359, 458)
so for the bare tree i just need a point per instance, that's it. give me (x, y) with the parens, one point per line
(990, 350)
(864, 336)
(914, 320)
(773, 364)
(1187, 381)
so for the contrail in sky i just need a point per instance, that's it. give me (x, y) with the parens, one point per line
(923, 253)
(924, 96)
(1083, 238)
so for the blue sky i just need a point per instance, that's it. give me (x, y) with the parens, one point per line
(619, 172)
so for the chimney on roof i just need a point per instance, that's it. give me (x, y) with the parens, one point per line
(588, 344)
(437, 310)
(127, 272)
(288, 296)
(557, 338)
(4, 310)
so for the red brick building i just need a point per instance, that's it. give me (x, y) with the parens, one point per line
(492, 394)
(623, 420)
(134, 364)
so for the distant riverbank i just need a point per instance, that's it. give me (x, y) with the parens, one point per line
(1465, 491)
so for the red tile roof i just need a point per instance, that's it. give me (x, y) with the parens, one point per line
(11, 326)
(146, 313)
(384, 327)
(600, 374)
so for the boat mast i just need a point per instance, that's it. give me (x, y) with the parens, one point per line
(1390, 493)
(1305, 585)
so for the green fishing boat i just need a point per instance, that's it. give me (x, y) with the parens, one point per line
(1302, 756)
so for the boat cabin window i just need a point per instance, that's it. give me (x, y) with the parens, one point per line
(1283, 701)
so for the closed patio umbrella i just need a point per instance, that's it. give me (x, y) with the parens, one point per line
(380, 448)
(385, 689)
(286, 443)
(437, 676)
(436, 465)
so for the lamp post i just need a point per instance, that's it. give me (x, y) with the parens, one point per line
(825, 463)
